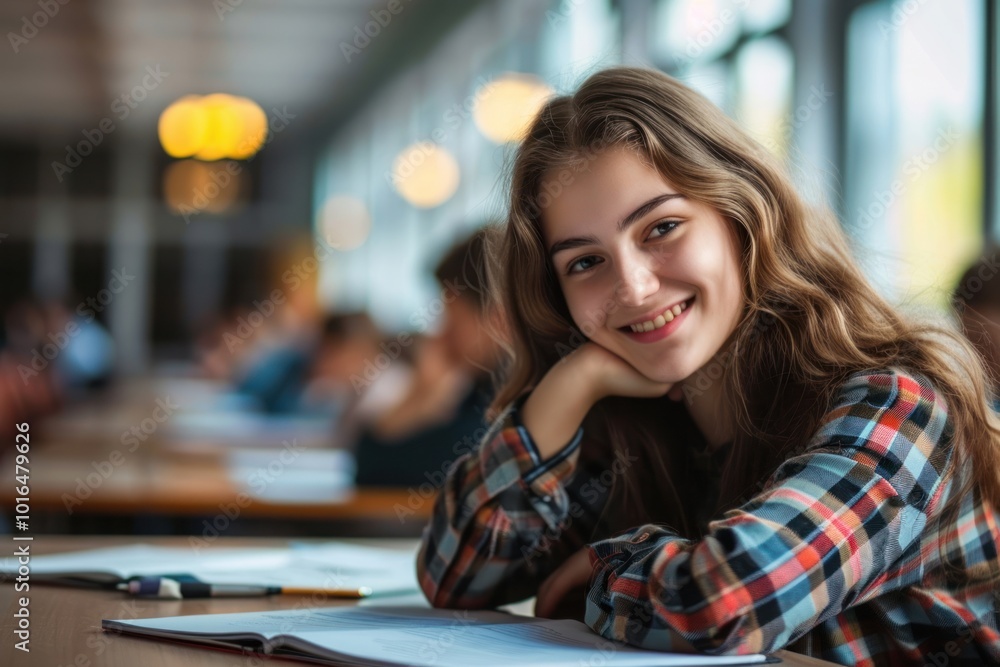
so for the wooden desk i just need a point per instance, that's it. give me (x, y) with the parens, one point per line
(66, 622)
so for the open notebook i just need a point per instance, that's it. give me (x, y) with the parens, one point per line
(313, 565)
(388, 636)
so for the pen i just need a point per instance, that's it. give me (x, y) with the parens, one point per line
(165, 587)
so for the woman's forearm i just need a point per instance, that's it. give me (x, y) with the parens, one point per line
(556, 408)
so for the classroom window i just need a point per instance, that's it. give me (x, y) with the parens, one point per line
(914, 177)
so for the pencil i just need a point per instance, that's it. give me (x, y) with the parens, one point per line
(165, 587)
(360, 592)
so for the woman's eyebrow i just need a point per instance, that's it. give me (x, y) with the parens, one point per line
(626, 222)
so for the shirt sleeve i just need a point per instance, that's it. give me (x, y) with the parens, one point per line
(505, 518)
(819, 538)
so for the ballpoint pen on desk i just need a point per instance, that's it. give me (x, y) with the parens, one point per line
(166, 587)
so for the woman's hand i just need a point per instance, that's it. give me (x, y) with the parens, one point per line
(559, 403)
(563, 594)
(611, 375)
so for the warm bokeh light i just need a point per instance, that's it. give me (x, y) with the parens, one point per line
(191, 186)
(506, 106)
(213, 127)
(254, 128)
(225, 127)
(425, 174)
(344, 222)
(183, 127)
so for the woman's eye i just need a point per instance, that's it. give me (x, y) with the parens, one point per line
(579, 262)
(660, 225)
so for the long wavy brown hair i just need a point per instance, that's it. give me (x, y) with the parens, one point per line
(811, 318)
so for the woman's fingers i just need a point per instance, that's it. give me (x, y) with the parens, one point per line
(613, 375)
(572, 604)
(551, 591)
(574, 572)
(543, 601)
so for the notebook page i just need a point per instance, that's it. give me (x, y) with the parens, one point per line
(438, 637)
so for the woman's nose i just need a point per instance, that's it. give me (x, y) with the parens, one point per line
(635, 284)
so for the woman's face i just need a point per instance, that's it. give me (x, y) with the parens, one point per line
(626, 247)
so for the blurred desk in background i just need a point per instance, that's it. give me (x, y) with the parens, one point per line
(86, 482)
(132, 462)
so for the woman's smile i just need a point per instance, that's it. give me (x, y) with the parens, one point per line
(661, 326)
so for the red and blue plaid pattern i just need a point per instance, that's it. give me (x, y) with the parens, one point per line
(838, 557)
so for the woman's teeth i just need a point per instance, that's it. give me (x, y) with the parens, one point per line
(660, 320)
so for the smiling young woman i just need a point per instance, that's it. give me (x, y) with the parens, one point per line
(751, 450)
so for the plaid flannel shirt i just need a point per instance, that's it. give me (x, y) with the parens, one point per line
(836, 557)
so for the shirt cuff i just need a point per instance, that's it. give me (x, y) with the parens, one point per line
(541, 466)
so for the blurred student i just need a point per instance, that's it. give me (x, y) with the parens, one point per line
(274, 368)
(443, 413)
(87, 351)
(346, 376)
(977, 302)
(31, 384)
